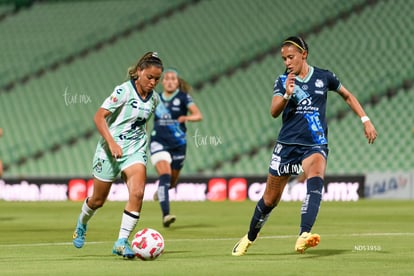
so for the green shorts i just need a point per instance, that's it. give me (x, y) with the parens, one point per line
(108, 168)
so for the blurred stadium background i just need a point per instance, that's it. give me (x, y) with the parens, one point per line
(61, 59)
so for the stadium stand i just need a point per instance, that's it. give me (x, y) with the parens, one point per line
(393, 150)
(57, 138)
(6, 10)
(47, 34)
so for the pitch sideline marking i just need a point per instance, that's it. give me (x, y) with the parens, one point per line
(217, 239)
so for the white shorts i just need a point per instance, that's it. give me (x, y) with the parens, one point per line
(107, 169)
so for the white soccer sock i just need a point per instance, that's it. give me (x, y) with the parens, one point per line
(86, 213)
(128, 223)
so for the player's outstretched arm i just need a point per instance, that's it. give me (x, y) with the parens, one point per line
(351, 100)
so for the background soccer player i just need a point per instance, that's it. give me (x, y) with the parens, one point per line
(168, 138)
(300, 95)
(121, 120)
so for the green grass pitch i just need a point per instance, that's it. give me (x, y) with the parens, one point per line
(357, 238)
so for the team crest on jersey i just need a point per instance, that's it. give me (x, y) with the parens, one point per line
(319, 83)
(176, 101)
(98, 166)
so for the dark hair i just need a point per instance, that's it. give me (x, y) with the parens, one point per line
(147, 60)
(297, 41)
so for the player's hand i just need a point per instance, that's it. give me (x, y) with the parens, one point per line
(116, 150)
(370, 132)
(290, 83)
(182, 119)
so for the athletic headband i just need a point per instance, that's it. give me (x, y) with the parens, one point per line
(171, 70)
(294, 43)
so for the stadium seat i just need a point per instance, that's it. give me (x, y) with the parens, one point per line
(358, 48)
(56, 35)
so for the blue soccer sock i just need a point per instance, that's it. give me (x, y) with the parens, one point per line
(260, 216)
(310, 206)
(163, 187)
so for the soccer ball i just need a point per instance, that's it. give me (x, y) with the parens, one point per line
(148, 244)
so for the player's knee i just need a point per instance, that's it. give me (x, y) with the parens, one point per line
(137, 195)
(96, 203)
(270, 201)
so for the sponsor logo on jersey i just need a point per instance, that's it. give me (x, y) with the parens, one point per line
(278, 148)
(134, 104)
(307, 102)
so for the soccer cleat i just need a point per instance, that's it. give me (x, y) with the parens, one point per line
(241, 246)
(79, 235)
(122, 248)
(168, 219)
(306, 240)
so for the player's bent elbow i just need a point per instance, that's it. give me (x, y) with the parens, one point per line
(277, 107)
(275, 113)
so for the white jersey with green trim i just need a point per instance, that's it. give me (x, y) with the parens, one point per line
(128, 118)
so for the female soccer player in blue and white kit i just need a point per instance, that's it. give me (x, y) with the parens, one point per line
(168, 138)
(121, 120)
(301, 95)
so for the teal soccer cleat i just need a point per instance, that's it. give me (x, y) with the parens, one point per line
(79, 235)
(122, 248)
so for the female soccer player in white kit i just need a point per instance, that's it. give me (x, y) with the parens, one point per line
(121, 121)
(300, 95)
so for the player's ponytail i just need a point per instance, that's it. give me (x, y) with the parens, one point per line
(147, 60)
(184, 86)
